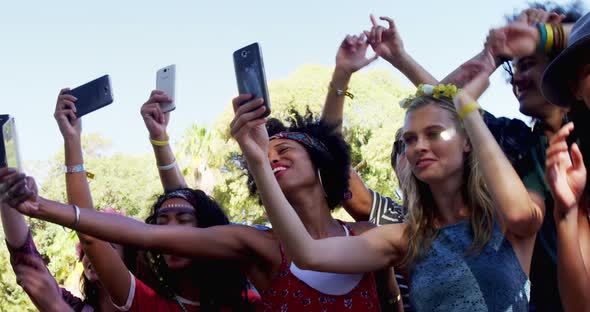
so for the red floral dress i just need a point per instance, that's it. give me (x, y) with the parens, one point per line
(289, 293)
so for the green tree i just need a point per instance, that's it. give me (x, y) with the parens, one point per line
(125, 182)
(371, 120)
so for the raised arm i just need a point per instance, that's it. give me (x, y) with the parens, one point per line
(351, 57)
(228, 242)
(156, 122)
(481, 62)
(387, 43)
(14, 224)
(566, 178)
(375, 249)
(41, 287)
(520, 214)
(109, 267)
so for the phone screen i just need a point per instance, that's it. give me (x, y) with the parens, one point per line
(10, 144)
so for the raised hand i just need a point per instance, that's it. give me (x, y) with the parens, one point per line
(566, 176)
(18, 191)
(35, 279)
(248, 128)
(534, 16)
(65, 115)
(386, 42)
(352, 54)
(155, 120)
(473, 90)
(517, 39)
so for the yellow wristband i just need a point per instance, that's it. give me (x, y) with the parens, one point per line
(550, 37)
(465, 110)
(160, 143)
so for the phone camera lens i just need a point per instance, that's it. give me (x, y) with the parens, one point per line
(166, 69)
(244, 53)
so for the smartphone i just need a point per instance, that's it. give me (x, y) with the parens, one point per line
(166, 81)
(92, 95)
(9, 155)
(250, 73)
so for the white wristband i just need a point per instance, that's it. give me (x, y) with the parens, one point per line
(168, 167)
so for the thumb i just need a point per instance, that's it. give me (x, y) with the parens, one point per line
(31, 185)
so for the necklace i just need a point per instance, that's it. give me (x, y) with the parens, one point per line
(180, 303)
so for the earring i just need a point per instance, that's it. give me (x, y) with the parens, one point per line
(321, 183)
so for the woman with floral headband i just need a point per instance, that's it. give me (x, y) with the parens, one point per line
(469, 237)
(320, 160)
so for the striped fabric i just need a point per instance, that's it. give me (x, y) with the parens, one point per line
(385, 210)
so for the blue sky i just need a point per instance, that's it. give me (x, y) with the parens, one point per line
(48, 45)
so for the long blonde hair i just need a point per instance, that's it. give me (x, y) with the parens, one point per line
(421, 230)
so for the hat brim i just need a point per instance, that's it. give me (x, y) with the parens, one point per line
(557, 76)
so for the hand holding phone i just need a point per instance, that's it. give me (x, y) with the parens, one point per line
(166, 81)
(155, 120)
(93, 95)
(250, 74)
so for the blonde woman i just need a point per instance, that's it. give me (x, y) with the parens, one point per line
(469, 239)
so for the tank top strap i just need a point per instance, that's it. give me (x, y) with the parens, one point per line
(283, 257)
(347, 228)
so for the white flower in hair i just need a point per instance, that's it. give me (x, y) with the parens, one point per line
(427, 89)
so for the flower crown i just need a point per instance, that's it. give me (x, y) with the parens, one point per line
(446, 90)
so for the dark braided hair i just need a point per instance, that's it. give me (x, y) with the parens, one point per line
(222, 283)
(333, 165)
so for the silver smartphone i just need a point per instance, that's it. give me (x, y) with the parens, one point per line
(166, 81)
(11, 154)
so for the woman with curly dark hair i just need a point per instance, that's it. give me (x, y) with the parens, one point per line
(312, 165)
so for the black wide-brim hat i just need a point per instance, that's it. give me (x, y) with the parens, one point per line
(555, 81)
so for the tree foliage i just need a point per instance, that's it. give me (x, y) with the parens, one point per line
(371, 119)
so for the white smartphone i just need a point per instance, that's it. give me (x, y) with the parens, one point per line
(166, 81)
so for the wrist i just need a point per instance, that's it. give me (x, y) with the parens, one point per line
(161, 141)
(342, 75)
(72, 138)
(60, 305)
(565, 215)
(255, 161)
(399, 60)
(159, 136)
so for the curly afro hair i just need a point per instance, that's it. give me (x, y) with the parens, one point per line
(333, 165)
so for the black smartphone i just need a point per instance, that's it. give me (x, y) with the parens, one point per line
(9, 152)
(250, 73)
(92, 95)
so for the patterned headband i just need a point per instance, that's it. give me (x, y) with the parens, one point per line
(302, 138)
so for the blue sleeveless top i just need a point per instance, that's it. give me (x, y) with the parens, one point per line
(447, 279)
